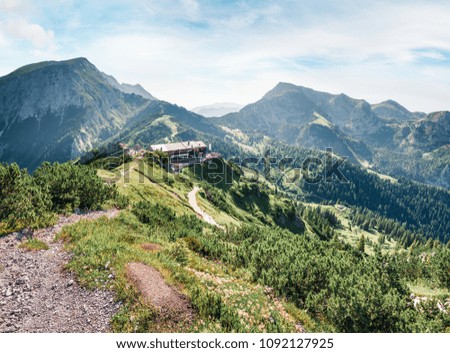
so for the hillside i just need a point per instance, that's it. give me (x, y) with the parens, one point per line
(391, 110)
(163, 122)
(303, 266)
(259, 221)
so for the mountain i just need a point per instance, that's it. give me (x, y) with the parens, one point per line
(217, 109)
(126, 88)
(161, 121)
(392, 110)
(431, 132)
(57, 111)
(299, 115)
(384, 136)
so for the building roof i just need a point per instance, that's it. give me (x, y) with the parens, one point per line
(178, 146)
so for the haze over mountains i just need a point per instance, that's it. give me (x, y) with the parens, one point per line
(217, 109)
(57, 111)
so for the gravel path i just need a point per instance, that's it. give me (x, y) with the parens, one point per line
(170, 303)
(192, 196)
(38, 295)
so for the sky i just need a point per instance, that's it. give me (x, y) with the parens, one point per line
(194, 52)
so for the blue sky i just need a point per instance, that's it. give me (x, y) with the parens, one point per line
(194, 52)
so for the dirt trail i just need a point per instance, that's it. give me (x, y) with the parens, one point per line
(37, 295)
(154, 289)
(192, 196)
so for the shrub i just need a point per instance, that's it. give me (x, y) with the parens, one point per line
(179, 253)
(73, 186)
(154, 214)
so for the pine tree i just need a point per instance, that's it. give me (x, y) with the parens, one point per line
(361, 244)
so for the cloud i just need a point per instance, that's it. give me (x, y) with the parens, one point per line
(191, 8)
(10, 5)
(33, 33)
(194, 52)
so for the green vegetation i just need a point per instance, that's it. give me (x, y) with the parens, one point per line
(231, 192)
(224, 301)
(71, 187)
(277, 263)
(421, 209)
(33, 244)
(344, 288)
(23, 204)
(31, 201)
(341, 287)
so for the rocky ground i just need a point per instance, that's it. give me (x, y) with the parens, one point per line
(169, 302)
(38, 295)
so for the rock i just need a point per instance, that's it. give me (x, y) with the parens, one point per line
(111, 276)
(9, 292)
(21, 281)
(70, 283)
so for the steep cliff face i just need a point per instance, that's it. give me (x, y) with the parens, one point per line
(57, 110)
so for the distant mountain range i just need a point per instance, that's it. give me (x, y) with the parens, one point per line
(383, 136)
(57, 111)
(217, 109)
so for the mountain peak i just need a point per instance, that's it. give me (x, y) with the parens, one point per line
(391, 109)
(281, 88)
(55, 110)
(78, 63)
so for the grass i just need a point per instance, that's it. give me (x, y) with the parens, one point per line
(148, 184)
(320, 120)
(353, 235)
(226, 298)
(105, 246)
(223, 297)
(383, 176)
(424, 290)
(33, 244)
(166, 120)
(105, 174)
(219, 216)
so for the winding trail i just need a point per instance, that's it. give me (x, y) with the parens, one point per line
(192, 196)
(38, 295)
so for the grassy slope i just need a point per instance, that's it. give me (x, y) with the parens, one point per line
(104, 246)
(352, 235)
